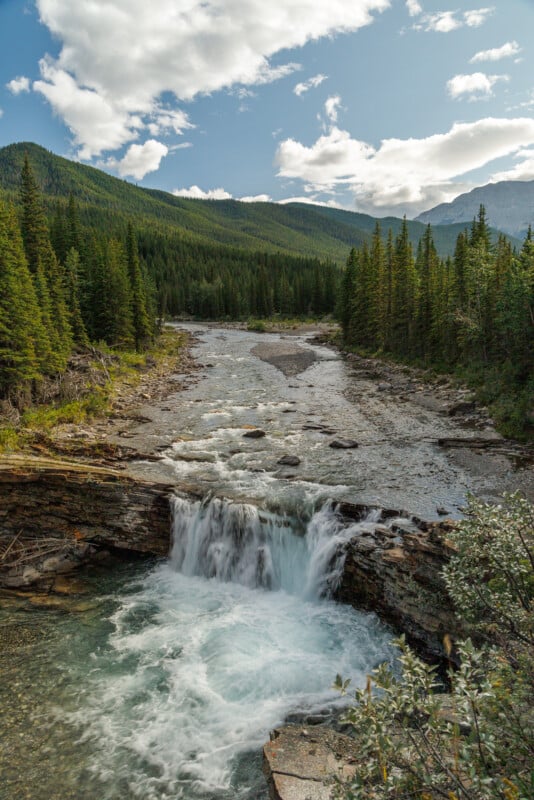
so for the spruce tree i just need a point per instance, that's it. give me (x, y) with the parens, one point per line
(22, 335)
(142, 328)
(72, 265)
(42, 259)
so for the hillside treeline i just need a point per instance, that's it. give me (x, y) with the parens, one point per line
(473, 313)
(59, 291)
(212, 282)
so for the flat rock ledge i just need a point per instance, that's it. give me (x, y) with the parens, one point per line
(302, 763)
(56, 515)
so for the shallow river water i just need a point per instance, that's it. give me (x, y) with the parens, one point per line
(164, 679)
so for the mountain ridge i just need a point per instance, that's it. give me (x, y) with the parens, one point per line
(511, 202)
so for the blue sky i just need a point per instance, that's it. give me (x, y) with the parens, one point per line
(383, 106)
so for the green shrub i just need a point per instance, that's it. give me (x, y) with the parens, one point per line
(477, 742)
(257, 325)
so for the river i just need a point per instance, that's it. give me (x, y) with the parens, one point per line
(164, 680)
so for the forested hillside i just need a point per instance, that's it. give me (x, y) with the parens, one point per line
(473, 313)
(106, 203)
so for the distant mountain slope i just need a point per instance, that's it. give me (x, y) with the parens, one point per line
(295, 228)
(509, 207)
(444, 235)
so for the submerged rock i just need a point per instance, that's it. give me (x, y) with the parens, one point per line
(256, 433)
(343, 444)
(289, 461)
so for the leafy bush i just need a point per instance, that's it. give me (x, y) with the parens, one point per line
(476, 742)
(257, 325)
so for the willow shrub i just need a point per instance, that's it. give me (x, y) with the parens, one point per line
(477, 742)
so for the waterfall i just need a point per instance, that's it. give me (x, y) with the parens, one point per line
(239, 543)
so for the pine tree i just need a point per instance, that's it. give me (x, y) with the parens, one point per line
(115, 324)
(22, 335)
(72, 265)
(404, 299)
(142, 329)
(42, 261)
(348, 288)
(427, 265)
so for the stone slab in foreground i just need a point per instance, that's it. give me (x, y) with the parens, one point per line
(301, 763)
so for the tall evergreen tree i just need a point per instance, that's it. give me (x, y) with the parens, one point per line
(43, 262)
(142, 328)
(72, 265)
(22, 336)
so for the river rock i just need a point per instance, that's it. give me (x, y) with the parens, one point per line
(257, 433)
(343, 444)
(461, 407)
(289, 461)
(302, 763)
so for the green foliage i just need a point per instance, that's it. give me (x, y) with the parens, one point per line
(495, 544)
(47, 417)
(105, 203)
(477, 742)
(22, 338)
(257, 325)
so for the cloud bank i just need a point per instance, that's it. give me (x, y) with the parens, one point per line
(118, 59)
(402, 175)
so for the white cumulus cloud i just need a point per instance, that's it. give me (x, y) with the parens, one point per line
(497, 53)
(19, 85)
(477, 17)
(476, 85)
(311, 83)
(197, 193)
(447, 21)
(118, 58)
(403, 175)
(414, 8)
(140, 159)
(257, 198)
(95, 121)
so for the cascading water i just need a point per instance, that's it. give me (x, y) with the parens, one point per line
(218, 646)
(238, 542)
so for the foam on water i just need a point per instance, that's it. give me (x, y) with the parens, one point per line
(217, 646)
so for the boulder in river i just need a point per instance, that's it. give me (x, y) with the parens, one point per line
(256, 433)
(289, 461)
(343, 444)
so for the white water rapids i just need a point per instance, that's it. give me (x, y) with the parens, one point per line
(219, 645)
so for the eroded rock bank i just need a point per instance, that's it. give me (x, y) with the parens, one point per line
(55, 516)
(396, 571)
